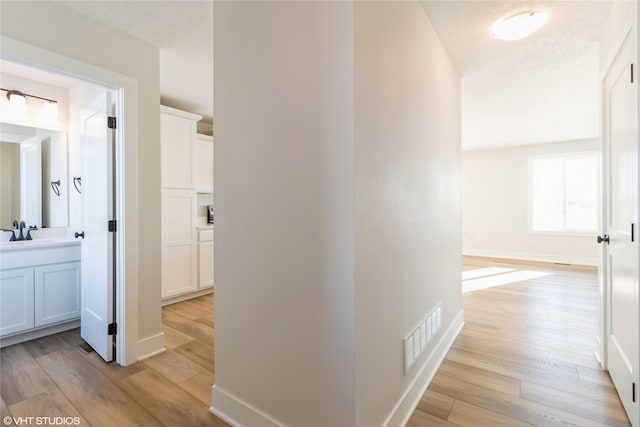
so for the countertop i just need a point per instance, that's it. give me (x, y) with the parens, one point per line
(37, 243)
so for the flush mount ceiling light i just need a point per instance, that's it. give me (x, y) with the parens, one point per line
(519, 26)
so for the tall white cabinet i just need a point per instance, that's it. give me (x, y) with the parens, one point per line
(204, 164)
(177, 142)
(187, 169)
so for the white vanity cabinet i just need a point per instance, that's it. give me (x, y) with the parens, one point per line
(16, 300)
(56, 293)
(39, 289)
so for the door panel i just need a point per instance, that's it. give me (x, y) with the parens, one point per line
(97, 246)
(621, 178)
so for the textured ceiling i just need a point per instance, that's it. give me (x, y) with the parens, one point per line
(182, 30)
(541, 89)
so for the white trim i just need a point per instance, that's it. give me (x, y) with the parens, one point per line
(180, 113)
(38, 333)
(402, 411)
(126, 178)
(237, 412)
(151, 346)
(579, 154)
(532, 256)
(185, 297)
(625, 25)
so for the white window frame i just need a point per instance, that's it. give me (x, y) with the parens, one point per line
(564, 156)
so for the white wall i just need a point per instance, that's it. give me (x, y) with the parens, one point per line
(407, 151)
(337, 209)
(495, 201)
(284, 212)
(53, 28)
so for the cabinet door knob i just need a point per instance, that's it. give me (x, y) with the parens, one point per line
(81, 234)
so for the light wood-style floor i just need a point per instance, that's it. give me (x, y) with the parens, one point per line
(524, 357)
(53, 377)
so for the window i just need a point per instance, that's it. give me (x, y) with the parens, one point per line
(563, 193)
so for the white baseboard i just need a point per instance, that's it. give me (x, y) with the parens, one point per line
(237, 412)
(150, 346)
(401, 413)
(531, 256)
(185, 297)
(38, 333)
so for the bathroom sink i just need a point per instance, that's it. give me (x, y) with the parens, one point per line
(24, 244)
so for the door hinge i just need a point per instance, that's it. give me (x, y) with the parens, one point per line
(112, 226)
(111, 122)
(112, 329)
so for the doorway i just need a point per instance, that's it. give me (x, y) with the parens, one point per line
(92, 77)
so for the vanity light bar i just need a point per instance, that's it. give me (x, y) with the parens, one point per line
(18, 93)
(18, 102)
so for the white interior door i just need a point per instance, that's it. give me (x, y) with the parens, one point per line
(621, 254)
(98, 209)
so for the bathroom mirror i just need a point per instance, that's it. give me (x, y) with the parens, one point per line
(33, 177)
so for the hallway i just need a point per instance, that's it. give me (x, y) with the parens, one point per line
(525, 355)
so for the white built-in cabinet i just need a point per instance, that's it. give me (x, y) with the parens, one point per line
(187, 168)
(204, 164)
(177, 148)
(39, 288)
(205, 263)
(178, 242)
